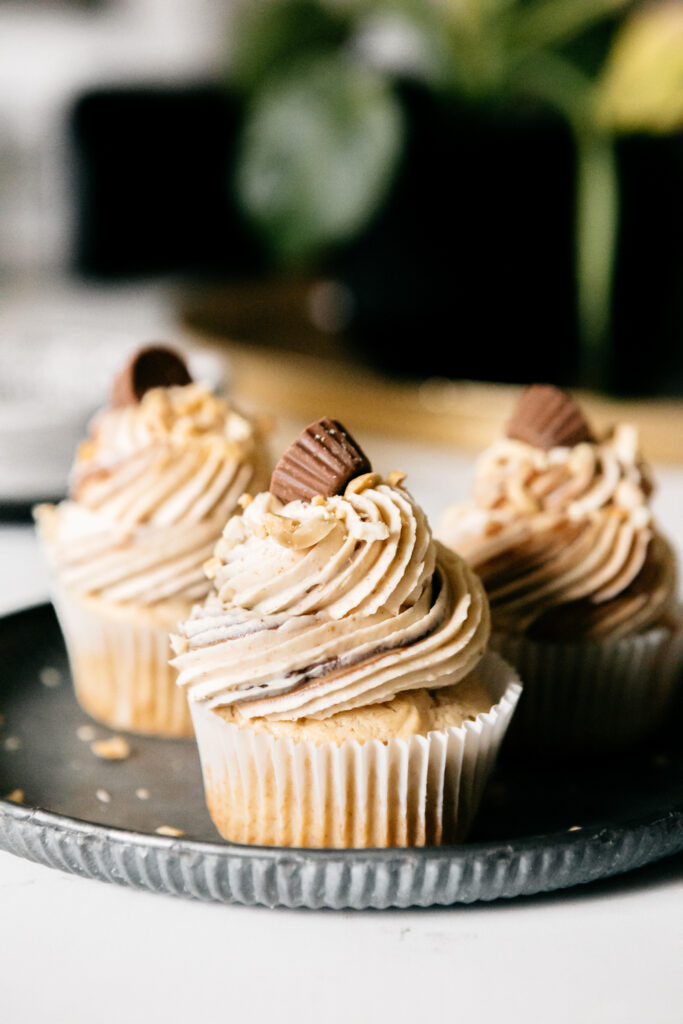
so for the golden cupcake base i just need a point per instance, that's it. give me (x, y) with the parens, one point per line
(119, 662)
(593, 697)
(422, 790)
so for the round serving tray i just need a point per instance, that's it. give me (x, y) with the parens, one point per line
(542, 826)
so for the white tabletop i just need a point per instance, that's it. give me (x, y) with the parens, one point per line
(79, 951)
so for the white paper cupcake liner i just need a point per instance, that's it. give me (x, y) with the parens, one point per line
(593, 696)
(119, 662)
(275, 791)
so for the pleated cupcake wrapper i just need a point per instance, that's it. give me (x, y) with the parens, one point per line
(593, 697)
(119, 663)
(276, 791)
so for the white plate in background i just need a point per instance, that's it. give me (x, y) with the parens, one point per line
(51, 384)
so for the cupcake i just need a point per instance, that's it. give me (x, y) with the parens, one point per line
(150, 491)
(582, 584)
(338, 673)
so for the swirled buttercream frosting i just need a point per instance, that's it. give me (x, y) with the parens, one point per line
(564, 539)
(330, 604)
(150, 492)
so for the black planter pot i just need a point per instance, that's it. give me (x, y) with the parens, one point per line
(648, 295)
(152, 167)
(468, 270)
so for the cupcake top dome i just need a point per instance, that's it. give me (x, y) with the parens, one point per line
(560, 526)
(329, 593)
(152, 485)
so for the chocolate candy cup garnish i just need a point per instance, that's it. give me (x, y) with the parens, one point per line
(322, 460)
(548, 418)
(153, 367)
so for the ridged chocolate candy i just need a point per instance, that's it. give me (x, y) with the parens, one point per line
(322, 460)
(155, 366)
(548, 418)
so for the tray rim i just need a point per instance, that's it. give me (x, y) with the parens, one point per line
(662, 828)
(257, 875)
(538, 842)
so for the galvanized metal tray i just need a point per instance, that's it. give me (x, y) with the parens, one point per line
(542, 826)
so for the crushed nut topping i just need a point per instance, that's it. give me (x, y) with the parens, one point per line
(396, 478)
(179, 644)
(521, 498)
(291, 533)
(363, 483)
(211, 567)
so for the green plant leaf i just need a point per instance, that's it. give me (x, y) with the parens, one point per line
(641, 86)
(553, 22)
(319, 151)
(270, 37)
(551, 78)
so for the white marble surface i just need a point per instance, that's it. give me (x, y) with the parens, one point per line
(78, 951)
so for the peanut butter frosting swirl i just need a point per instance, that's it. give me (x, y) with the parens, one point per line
(564, 539)
(150, 491)
(330, 605)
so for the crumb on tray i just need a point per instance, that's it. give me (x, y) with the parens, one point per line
(116, 748)
(50, 676)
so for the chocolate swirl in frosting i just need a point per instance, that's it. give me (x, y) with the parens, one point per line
(564, 539)
(150, 492)
(329, 605)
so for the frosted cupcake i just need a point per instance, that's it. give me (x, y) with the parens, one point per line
(150, 493)
(338, 673)
(582, 584)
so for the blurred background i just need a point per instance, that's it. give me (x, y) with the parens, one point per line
(383, 211)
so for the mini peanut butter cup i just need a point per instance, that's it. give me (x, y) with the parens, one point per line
(322, 460)
(155, 366)
(547, 417)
